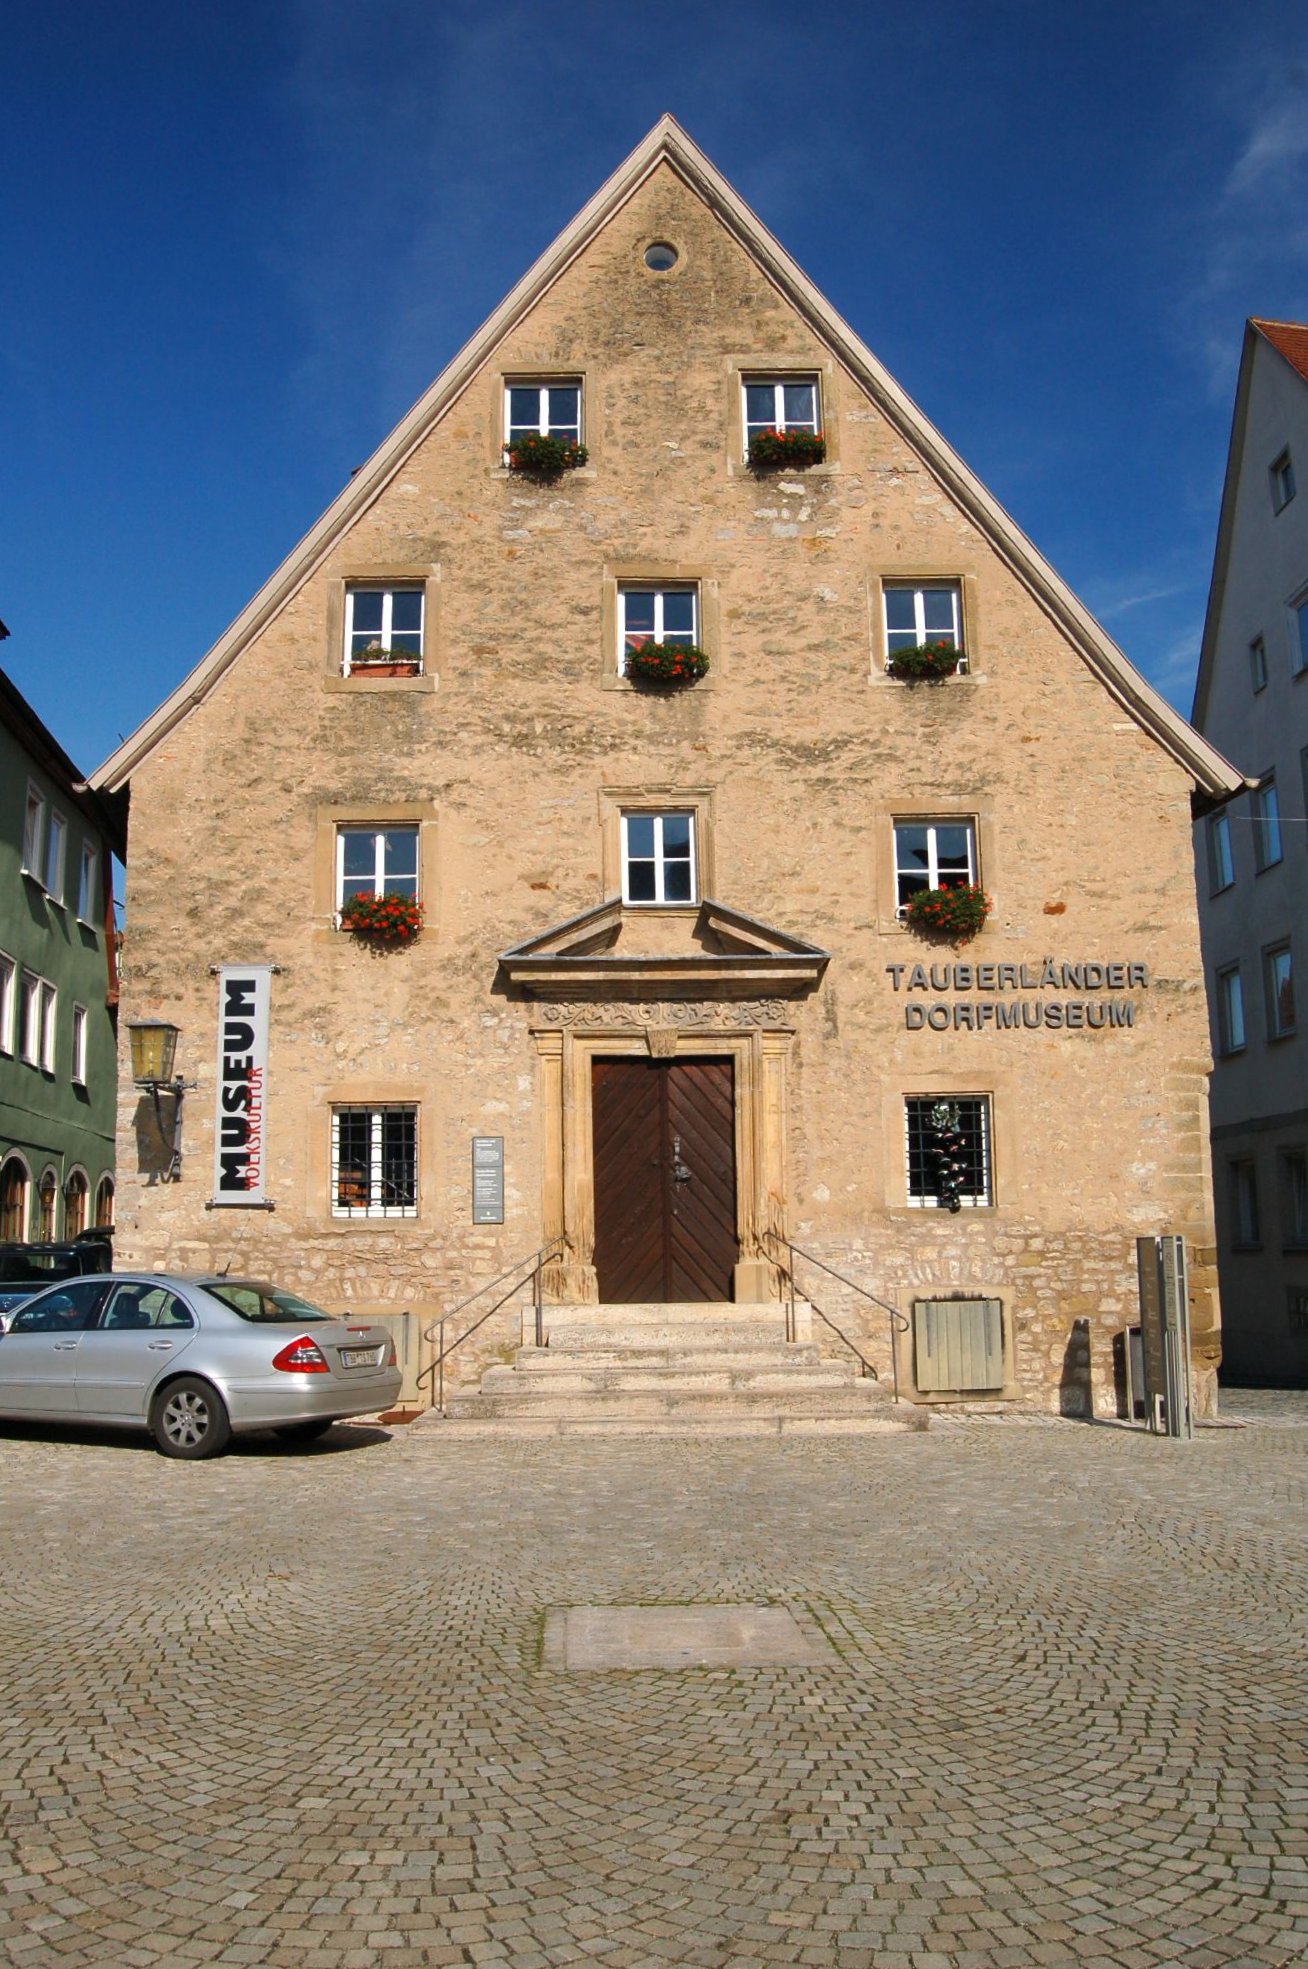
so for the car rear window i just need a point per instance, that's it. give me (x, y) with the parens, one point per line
(265, 1305)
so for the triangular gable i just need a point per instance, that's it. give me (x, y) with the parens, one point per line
(668, 143)
(723, 949)
(1290, 341)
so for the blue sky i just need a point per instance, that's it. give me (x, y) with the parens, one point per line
(239, 241)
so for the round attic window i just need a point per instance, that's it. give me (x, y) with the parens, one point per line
(660, 257)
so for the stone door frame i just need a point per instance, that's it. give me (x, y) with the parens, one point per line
(566, 1049)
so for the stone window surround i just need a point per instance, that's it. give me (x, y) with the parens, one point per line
(923, 574)
(656, 798)
(811, 366)
(658, 574)
(526, 374)
(885, 882)
(565, 1057)
(367, 1092)
(371, 813)
(389, 574)
(1004, 1088)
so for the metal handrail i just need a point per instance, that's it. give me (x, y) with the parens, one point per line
(898, 1323)
(525, 1268)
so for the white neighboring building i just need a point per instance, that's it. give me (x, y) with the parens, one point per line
(1252, 701)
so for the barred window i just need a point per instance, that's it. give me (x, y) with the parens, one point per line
(948, 1145)
(375, 1162)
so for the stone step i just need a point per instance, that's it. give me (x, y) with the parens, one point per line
(854, 1398)
(781, 1353)
(621, 1334)
(570, 1373)
(434, 1428)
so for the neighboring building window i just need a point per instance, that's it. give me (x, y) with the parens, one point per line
(933, 854)
(1230, 1010)
(1296, 1308)
(1221, 862)
(658, 615)
(1294, 1197)
(1246, 1228)
(1266, 813)
(76, 1199)
(375, 1162)
(29, 1018)
(13, 1200)
(551, 409)
(780, 404)
(376, 861)
(1278, 975)
(87, 883)
(1258, 664)
(923, 612)
(104, 1203)
(658, 858)
(33, 830)
(56, 846)
(8, 999)
(47, 1196)
(79, 1045)
(389, 619)
(1299, 636)
(1282, 474)
(948, 1148)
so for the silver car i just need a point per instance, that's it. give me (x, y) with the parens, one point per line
(193, 1360)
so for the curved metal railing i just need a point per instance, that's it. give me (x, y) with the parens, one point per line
(898, 1323)
(518, 1275)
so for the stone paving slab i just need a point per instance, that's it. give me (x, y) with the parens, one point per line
(581, 1638)
(292, 1709)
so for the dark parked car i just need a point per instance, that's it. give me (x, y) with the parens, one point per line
(28, 1268)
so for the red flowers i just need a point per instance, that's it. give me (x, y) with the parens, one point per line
(956, 913)
(772, 448)
(537, 451)
(382, 919)
(924, 662)
(665, 663)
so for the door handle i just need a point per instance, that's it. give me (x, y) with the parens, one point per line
(680, 1173)
(159, 1346)
(65, 1346)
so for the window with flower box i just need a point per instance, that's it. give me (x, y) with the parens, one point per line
(548, 410)
(376, 860)
(786, 407)
(374, 1161)
(649, 613)
(919, 613)
(384, 628)
(947, 1140)
(933, 854)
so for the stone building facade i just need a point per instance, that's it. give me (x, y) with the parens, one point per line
(663, 951)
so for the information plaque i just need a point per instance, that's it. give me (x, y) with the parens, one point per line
(488, 1179)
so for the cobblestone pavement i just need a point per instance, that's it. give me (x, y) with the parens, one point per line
(291, 1709)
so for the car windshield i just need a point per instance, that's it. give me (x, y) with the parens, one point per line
(265, 1304)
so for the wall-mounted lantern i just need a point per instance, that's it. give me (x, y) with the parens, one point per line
(154, 1053)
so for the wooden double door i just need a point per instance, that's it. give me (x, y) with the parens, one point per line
(665, 1179)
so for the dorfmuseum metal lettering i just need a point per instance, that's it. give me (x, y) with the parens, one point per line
(1003, 1014)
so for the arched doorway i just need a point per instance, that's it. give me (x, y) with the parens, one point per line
(14, 1182)
(77, 1193)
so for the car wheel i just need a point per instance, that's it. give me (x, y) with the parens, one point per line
(305, 1432)
(189, 1419)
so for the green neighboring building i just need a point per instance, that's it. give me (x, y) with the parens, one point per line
(58, 986)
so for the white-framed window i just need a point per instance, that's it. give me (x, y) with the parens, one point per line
(33, 830)
(918, 612)
(56, 849)
(15, 1185)
(76, 1200)
(1246, 1218)
(1221, 860)
(1265, 809)
(648, 613)
(8, 1001)
(1278, 981)
(88, 884)
(1230, 1010)
(947, 1148)
(780, 403)
(388, 620)
(49, 1002)
(374, 1161)
(38, 1002)
(376, 860)
(1281, 472)
(1294, 1198)
(658, 858)
(1299, 635)
(933, 854)
(1258, 664)
(79, 1045)
(551, 410)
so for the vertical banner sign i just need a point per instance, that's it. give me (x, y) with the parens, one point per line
(238, 1161)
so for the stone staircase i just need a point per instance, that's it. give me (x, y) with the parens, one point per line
(671, 1370)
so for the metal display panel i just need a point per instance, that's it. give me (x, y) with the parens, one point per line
(1165, 1334)
(488, 1179)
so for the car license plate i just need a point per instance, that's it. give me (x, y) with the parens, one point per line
(358, 1357)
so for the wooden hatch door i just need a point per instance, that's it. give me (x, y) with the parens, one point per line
(665, 1179)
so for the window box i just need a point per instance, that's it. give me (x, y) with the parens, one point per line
(388, 921)
(658, 634)
(543, 455)
(924, 663)
(922, 618)
(954, 915)
(667, 664)
(772, 450)
(374, 661)
(782, 423)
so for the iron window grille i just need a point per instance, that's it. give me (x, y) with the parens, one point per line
(374, 1169)
(948, 1151)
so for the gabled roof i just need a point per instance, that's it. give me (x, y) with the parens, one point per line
(668, 144)
(45, 751)
(597, 953)
(1290, 340)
